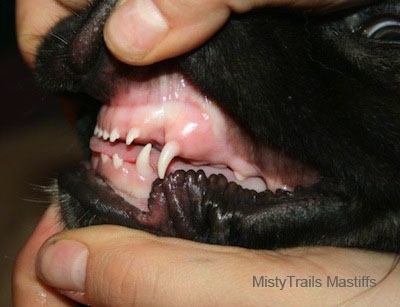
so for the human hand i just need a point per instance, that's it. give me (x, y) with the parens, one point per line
(116, 266)
(141, 32)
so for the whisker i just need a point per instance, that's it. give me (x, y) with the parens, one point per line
(60, 38)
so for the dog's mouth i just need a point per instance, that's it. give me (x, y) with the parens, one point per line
(156, 127)
(163, 132)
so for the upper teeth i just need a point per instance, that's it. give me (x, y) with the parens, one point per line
(106, 135)
(143, 167)
(114, 135)
(132, 135)
(98, 132)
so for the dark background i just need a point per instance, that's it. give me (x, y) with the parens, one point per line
(35, 142)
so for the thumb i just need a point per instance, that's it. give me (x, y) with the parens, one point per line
(141, 32)
(115, 266)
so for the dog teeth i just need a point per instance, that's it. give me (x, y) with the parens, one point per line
(132, 135)
(104, 158)
(117, 161)
(239, 176)
(106, 135)
(143, 167)
(143, 162)
(170, 151)
(114, 135)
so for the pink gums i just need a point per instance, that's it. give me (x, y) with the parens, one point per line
(186, 131)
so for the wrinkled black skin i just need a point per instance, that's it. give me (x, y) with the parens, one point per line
(312, 87)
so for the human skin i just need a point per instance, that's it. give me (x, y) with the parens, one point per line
(116, 266)
(177, 26)
(125, 267)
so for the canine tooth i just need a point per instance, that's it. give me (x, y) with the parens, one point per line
(170, 151)
(114, 135)
(106, 135)
(132, 135)
(104, 158)
(239, 176)
(96, 130)
(117, 160)
(143, 162)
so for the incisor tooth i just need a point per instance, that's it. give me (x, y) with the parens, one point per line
(143, 162)
(117, 160)
(106, 135)
(170, 151)
(100, 133)
(132, 135)
(104, 158)
(114, 135)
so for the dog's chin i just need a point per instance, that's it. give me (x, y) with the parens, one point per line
(84, 192)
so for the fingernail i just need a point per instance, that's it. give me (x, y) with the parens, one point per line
(62, 264)
(136, 27)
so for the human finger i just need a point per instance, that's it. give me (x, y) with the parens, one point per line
(115, 266)
(28, 290)
(141, 32)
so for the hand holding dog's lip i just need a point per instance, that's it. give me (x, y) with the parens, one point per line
(154, 30)
(157, 30)
(126, 259)
(178, 26)
(143, 257)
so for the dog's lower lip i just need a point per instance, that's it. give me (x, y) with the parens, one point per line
(95, 196)
(189, 193)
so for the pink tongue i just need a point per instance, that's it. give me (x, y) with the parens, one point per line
(175, 120)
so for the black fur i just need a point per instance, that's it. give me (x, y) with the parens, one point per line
(316, 88)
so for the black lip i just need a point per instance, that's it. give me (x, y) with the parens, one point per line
(184, 204)
(89, 194)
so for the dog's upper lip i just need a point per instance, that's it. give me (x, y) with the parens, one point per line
(157, 125)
